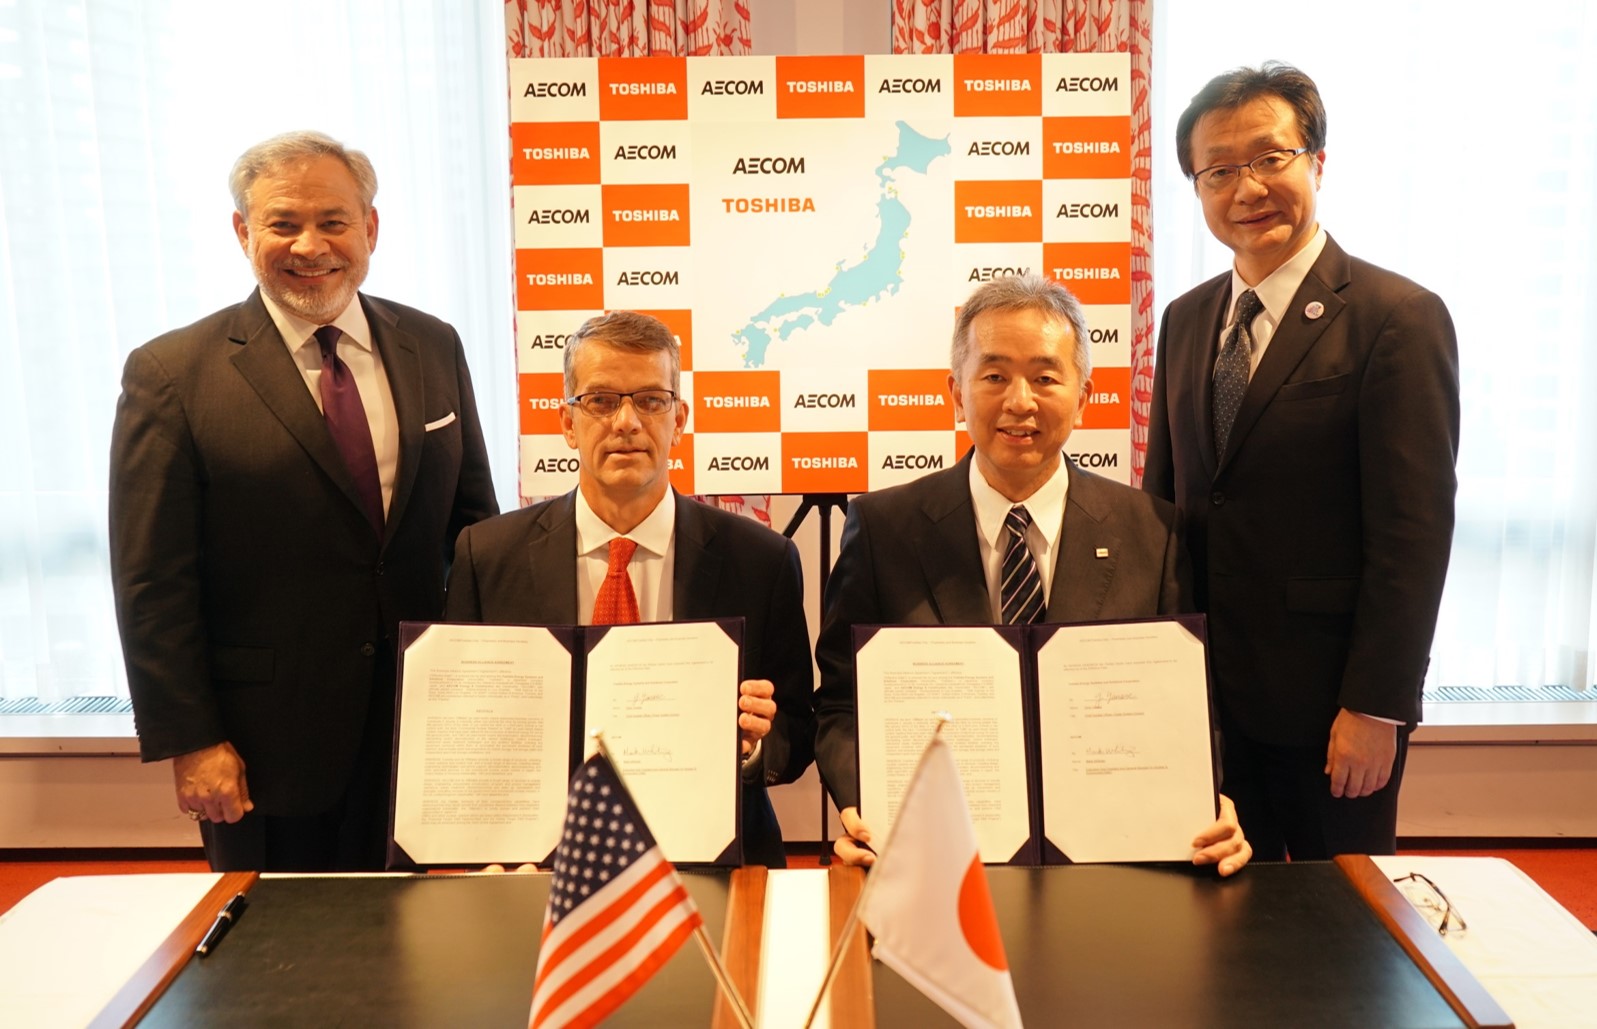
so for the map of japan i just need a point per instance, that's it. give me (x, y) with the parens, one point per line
(875, 275)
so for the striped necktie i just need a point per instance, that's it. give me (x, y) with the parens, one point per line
(1020, 587)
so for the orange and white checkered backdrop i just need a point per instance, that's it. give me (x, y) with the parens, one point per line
(808, 226)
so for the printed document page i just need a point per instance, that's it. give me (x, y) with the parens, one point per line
(1127, 764)
(665, 696)
(484, 740)
(905, 675)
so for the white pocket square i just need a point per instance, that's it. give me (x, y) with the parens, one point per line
(440, 423)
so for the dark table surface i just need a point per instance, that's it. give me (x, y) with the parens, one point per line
(1117, 945)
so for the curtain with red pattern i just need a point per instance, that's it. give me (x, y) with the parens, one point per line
(634, 28)
(626, 28)
(1068, 26)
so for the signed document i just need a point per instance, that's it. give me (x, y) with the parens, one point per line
(665, 696)
(907, 674)
(1127, 753)
(483, 745)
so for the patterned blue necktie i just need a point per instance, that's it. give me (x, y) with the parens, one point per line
(1232, 369)
(1020, 586)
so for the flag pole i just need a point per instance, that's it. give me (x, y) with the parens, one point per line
(847, 935)
(744, 1018)
(721, 977)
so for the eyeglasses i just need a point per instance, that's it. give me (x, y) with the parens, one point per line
(1431, 901)
(1266, 166)
(644, 401)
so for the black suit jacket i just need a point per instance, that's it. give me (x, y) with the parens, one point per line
(522, 568)
(910, 555)
(1321, 544)
(255, 600)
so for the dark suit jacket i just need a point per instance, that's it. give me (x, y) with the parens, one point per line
(522, 568)
(1320, 545)
(910, 555)
(254, 598)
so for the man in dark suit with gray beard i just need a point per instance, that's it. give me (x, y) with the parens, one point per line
(287, 479)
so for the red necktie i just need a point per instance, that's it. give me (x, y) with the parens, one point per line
(616, 604)
(346, 421)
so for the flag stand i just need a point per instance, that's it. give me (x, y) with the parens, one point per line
(722, 979)
(847, 935)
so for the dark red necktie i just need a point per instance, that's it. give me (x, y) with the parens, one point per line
(346, 420)
(616, 604)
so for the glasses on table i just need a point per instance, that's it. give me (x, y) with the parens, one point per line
(1431, 902)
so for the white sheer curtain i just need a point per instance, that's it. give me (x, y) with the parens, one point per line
(1462, 152)
(121, 119)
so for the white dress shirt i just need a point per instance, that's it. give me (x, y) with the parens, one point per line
(1275, 292)
(355, 349)
(650, 568)
(1047, 510)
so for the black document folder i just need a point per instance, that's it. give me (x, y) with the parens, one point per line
(410, 951)
(562, 751)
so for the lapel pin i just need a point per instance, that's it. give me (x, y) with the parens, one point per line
(1314, 310)
(1101, 552)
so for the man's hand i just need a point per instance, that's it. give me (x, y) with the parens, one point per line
(755, 711)
(1359, 757)
(1222, 843)
(211, 782)
(854, 847)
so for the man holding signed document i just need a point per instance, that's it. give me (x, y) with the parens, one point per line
(936, 551)
(624, 547)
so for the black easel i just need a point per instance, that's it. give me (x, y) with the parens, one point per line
(822, 504)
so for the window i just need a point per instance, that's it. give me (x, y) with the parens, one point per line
(1462, 152)
(123, 118)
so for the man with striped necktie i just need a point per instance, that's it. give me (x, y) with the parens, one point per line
(1013, 533)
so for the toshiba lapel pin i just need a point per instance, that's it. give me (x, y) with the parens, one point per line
(1314, 310)
(1101, 552)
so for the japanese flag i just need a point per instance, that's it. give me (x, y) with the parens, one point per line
(928, 905)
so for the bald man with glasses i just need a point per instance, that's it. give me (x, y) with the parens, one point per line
(1305, 420)
(624, 547)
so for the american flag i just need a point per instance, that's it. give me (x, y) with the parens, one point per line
(617, 910)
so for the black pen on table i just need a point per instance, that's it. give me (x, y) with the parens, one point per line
(224, 921)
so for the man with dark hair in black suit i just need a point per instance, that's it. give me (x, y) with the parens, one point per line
(1305, 419)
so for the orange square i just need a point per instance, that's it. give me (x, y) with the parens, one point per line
(681, 325)
(681, 470)
(909, 399)
(820, 87)
(997, 85)
(554, 153)
(998, 212)
(1111, 400)
(542, 395)
(646, 215)
(560, 280)
(825, 462)
(737, 401)
(643, 88)
(1098, 273)
(1086, 148)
